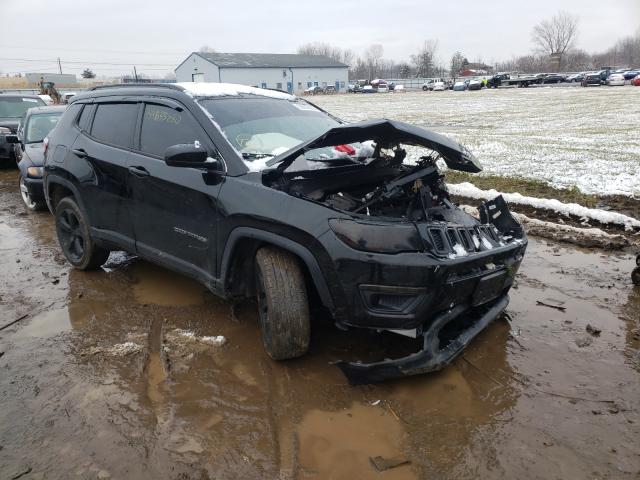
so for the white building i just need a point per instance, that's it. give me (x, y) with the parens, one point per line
(288, 72)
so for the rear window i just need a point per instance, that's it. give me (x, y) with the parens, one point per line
(85, 117)
(39, 126)
(114, 123)
(15, 107)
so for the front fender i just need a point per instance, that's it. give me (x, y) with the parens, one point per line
(317, 276)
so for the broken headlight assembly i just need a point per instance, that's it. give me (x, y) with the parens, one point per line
(377, 237)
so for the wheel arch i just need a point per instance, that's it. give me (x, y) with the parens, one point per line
(239, 253)
(56, 188)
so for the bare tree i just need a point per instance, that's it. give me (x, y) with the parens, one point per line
(458, 61)
(372, 58)
(319, 48)
(554, 37)
(207, 49)
(404, 69)
(424, 60)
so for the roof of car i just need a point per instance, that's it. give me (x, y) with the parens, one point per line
(197, 89)
(47, 109)
(18, 95)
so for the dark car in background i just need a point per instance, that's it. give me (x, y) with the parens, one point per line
(30, 137)
(257, 193)
(553, 78)
(592, 79)
(12, 109)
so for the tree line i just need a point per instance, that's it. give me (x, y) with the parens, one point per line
(553, 50)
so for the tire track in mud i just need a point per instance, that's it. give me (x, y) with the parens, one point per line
(282, 411)
(155, 368)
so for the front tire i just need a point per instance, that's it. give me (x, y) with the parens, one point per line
(75, 238)
(30, 204)
(282, 303)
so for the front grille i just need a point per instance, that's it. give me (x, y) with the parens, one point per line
(437, 237)
(472, 239)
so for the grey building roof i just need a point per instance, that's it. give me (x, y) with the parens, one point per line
(269, 60)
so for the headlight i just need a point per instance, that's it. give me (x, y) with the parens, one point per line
(34, 172)
(377, 237)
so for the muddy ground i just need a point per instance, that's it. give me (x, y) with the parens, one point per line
(100, 379)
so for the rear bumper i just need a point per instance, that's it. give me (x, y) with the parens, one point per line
(432, 357)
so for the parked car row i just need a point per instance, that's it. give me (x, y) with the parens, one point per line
(26, 122)
(375, 86)
(318, 90)
(600, 77)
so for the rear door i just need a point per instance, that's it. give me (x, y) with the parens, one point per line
(103, 149)
(175, 208)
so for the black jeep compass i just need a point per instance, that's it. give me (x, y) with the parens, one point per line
(259, 193)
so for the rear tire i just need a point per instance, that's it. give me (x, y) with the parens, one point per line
(282, 303)
(75, 238)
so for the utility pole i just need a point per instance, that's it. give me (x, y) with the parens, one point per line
(59, 66)
(135, 73)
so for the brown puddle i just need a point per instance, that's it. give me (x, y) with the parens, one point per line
(524, 401)
(339, 444)
(158, 286)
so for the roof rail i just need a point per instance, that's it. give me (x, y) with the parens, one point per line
(172, 86)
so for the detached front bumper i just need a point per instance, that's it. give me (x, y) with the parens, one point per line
(432, 357)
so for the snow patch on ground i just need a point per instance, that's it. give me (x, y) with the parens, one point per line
(469, 190)
(117, 350)
(537, 133)
(188, 336)
(586, 237)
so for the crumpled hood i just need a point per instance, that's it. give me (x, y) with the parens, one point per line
(387, 132)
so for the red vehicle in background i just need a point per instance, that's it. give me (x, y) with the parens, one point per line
(636, 81)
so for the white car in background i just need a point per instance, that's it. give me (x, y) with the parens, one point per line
(438, 87)
(46, 98)
(615, 79)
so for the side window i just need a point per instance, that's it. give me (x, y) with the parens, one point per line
(85, 117)
(114, 123)
(163, 127)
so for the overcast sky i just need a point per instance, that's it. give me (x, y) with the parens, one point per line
(158, 35)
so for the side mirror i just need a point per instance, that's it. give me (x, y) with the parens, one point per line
(189, 155)
(13, 138)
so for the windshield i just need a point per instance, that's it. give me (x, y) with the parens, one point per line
(15, 107)
(39, 126)
(261, 128)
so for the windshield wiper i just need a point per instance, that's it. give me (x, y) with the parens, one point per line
(255, 155)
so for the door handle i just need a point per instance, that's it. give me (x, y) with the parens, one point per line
(79, 152)
(139, 171)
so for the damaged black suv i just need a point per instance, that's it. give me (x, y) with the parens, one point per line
(259, 193)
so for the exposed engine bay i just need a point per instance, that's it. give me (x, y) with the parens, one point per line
(383, 188)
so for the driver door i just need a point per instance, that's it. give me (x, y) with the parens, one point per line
(174, 209)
